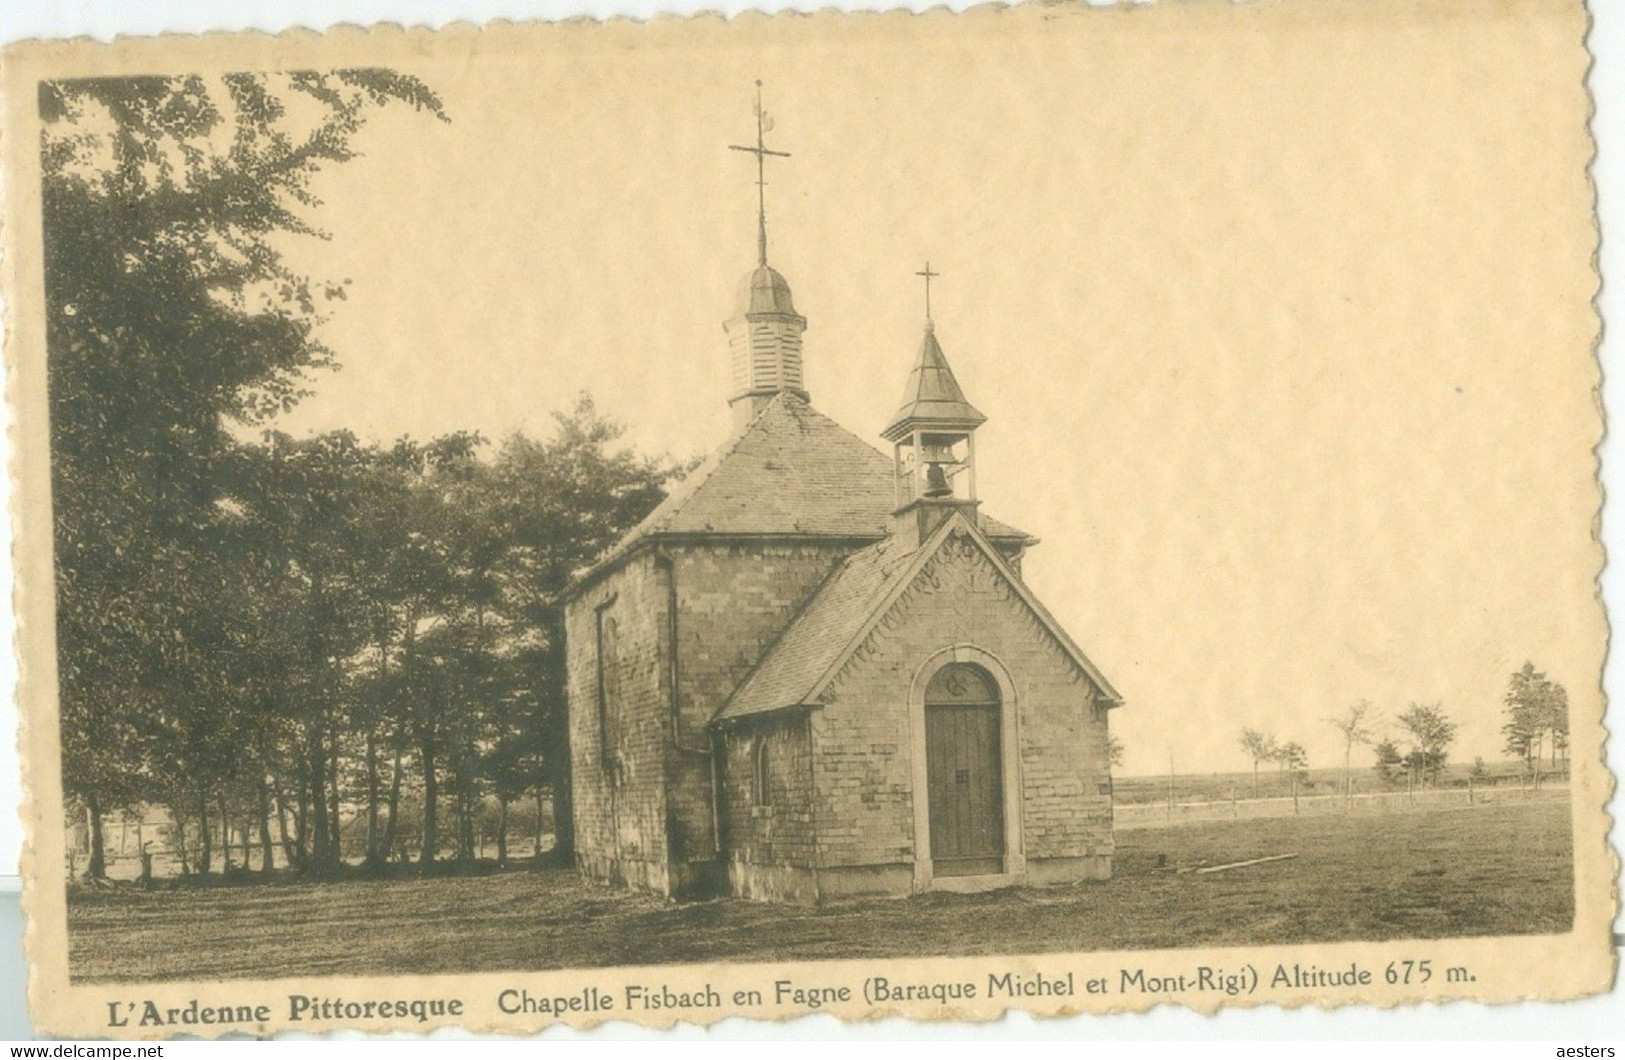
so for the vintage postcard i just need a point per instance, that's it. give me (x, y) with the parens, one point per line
(1052, 508)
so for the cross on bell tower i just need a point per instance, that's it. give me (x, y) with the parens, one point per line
(929, 275)
(764, 336)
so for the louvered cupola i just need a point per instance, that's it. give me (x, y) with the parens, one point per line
(764, 344)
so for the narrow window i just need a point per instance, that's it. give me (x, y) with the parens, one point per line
(603, 662)
(761, 792)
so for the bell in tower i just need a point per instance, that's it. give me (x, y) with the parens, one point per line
(933, 436)
(936, 478)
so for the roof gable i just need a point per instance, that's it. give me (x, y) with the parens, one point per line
(790, 471)
(811, 652)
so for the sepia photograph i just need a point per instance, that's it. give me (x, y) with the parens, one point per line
(1048, 508)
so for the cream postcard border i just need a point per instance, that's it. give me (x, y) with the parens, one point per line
(1501, 970)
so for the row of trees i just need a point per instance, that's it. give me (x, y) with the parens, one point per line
(1423, 727)
(1427, 733)
(264, 631)
(1537, 718)
(1262, 746)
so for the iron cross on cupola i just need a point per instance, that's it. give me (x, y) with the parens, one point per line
(764, 125)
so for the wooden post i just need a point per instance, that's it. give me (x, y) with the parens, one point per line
(536, 849)
(1170, 786)
(1235, 808)
(1294, 790)
(1470, 796)
(970, 458)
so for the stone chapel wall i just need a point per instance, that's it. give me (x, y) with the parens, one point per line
(618, 776)
(768, 835)
(861, 737)
(733, 601)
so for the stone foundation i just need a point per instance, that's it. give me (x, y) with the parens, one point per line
(695, 880)
(623, 872)
(864, 880)
(804, 886)
(1044, 872)
(773, 883)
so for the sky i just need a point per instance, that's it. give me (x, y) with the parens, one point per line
(1285, 350)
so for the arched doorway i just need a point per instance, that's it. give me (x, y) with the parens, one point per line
(964, 771)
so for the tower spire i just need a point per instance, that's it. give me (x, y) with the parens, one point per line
(933, 436)
(764, 125)
(764, 338)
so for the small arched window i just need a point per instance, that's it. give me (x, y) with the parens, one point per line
(761, 772)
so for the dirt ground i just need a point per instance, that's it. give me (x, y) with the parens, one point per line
(1487, 870)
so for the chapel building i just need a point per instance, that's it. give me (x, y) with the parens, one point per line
(815, 671)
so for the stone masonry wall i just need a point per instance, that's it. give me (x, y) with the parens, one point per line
(733, 601)
(861, 741)
(774, 828)
(647, 818)
(618, 776)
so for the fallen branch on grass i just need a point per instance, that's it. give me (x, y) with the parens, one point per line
(1244, 864)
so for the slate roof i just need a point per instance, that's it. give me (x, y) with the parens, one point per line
(856, 593)
(932, 396)
(790, 471)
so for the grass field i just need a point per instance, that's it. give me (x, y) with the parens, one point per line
(1487, 870)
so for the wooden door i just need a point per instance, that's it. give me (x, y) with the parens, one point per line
(963, 772)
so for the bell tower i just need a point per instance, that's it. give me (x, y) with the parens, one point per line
(933, 436)
(764, 335)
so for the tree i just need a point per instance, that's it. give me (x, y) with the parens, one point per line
(558, 505)
(1525, 706)
(1390, 762)
(1355, 726)
(1558, 723)
(1537, 711)
(1260, 746)
(170, 314)
(1431, 732)
(261, 633)
(312, 501)
(1292, 757)
(392, 570)
(1114, 751)
(421, 614)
